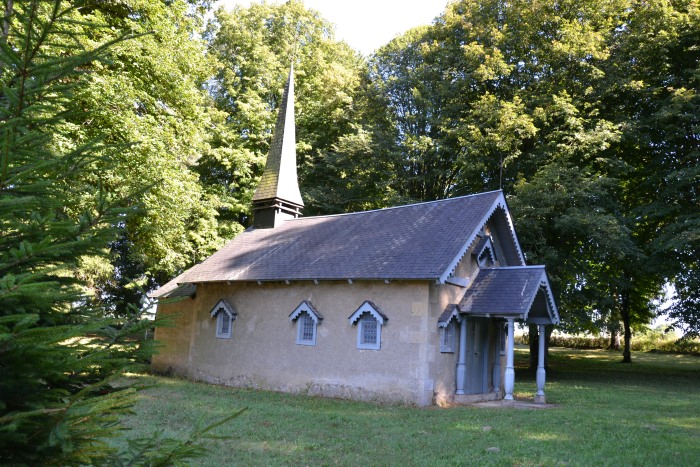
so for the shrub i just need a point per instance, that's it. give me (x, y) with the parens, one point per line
(645, 343)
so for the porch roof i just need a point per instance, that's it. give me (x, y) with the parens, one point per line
(521, 292)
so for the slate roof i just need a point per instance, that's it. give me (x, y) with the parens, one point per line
(416, 241)
(480, 246)
(451, 311)
(178, 291)
(304, 306)
(368, 306)
(511, 291)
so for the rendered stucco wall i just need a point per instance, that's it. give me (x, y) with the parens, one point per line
(174, 340)
(443, 371)
(263, 353)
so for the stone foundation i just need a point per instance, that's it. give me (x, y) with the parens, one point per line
(468, 399)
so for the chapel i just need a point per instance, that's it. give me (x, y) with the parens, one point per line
(413, 304)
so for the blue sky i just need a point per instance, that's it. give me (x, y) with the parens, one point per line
(368, 24)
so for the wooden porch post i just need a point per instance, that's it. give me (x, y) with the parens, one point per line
(462, 362)
(510, 371)
(541, 374)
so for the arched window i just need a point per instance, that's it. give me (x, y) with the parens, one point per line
(225, 315)
(448, 329)
(307, 319)
(369, 322)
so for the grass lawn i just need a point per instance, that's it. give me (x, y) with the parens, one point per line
(608, 413)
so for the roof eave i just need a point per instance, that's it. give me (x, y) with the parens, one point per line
(316, 279)
(550, 298)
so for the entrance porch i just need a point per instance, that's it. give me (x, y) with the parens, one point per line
(486, 317)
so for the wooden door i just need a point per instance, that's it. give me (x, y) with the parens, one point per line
(477, 356)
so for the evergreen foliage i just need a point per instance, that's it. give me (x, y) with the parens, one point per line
(60, 357)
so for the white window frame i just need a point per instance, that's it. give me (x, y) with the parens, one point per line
(221, 320)
(447, 337)
(304, 310)
(223, 308)
(358, 317)
(365, 321)
(449, 328)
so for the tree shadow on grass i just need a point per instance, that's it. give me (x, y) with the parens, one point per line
(601, 366)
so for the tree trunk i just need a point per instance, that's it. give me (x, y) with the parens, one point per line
(625, 314)
(614, 339)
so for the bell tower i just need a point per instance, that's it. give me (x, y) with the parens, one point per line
(277, 197)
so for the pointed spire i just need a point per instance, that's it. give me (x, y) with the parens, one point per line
(277, 196)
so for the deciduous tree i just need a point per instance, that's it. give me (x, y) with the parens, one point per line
(255, 47)
(565, 105)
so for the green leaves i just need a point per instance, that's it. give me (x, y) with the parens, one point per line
(584, 112)
(255, 47)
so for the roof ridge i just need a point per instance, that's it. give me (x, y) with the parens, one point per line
(444, 200)
(527, 266)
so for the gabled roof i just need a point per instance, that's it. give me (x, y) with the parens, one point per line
(483, 243)
(368, 307)
(416, 241)
(306, 306)
(450, 313)
(224, 305)
(521, 292)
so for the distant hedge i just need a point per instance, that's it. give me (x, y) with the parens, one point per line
(639, 344)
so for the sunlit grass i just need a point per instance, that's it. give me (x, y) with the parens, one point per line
(607, 413)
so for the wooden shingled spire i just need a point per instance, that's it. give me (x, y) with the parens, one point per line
(278, 197)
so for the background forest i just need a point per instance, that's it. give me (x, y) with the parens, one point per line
(134, 133)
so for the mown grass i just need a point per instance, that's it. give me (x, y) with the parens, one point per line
(607, 413)
(651, 341)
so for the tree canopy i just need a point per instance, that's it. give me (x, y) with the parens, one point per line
(255, 48)
(584, 113)
(148, 98)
